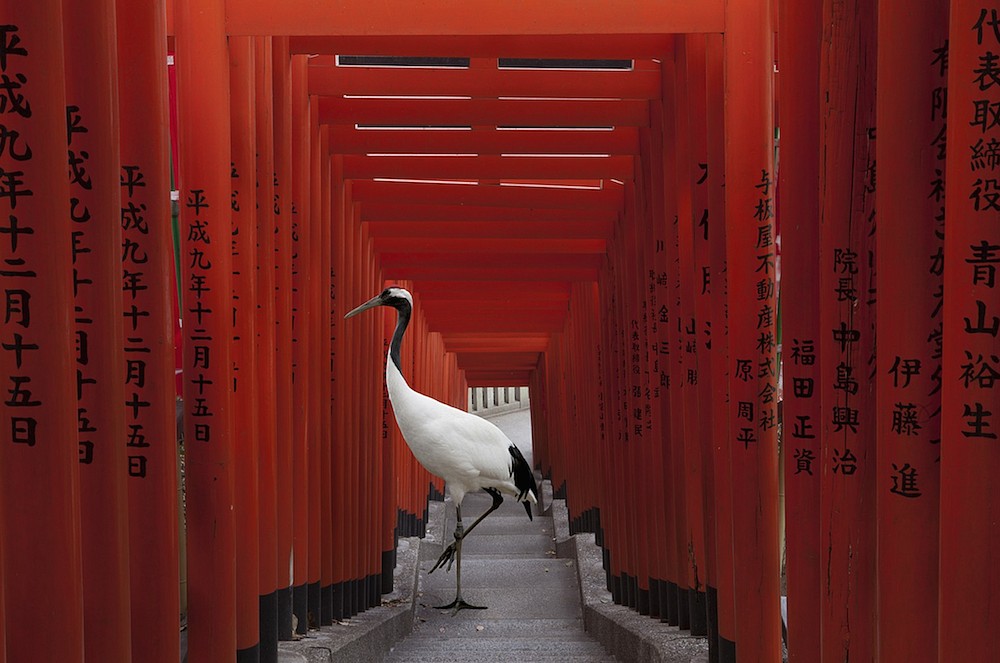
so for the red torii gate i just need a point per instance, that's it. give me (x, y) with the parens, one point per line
(623, 223)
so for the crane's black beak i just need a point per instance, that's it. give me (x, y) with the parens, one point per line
(371, 303)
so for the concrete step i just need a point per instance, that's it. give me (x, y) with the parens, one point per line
(498, 657)
(529, 545)
(498, 523)
(464, 649)
(503, 572)
(508, 564)
(479, 626)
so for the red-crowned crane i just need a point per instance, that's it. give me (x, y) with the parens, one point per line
(465, 450)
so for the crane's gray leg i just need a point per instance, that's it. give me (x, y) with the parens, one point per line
(454, 551)
(448, 555)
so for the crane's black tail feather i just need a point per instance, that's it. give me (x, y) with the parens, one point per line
(524, 479)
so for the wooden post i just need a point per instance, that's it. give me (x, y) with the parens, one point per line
(303, 477)
(245, 380)
(267, 442)
(150, 317)
(910, 259)
(847, 343)
(970, 401)
(691, 209)
(282, 179)
(720, 597)
(95, 213)
(343, 296)
(798, 212)
(325, 304)
(665, 236)
(317, 317)
(205, 199)
(39, 468)
(751, 260)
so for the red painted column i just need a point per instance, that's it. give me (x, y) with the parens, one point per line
(970, 454)
(751, 260)
(303, 448)
(665, 239)
(720, 597)
(282, 180)
(676, 205)
(719, 594)
(847, 343)
(310, 217)
(343, 296)
(909, 235)
(3, 621)
(264, 329)
(147, 256)
(653, 446)
(95, 204)
(245, 381)
(324, 303)
(39, 469)
(691, 207)
(662, 130)
(205, 202)
(701, 292)
(798, 211)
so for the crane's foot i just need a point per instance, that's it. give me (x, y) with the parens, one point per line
(447, 557)
(459, 604)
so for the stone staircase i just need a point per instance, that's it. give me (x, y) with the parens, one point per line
(508, 564)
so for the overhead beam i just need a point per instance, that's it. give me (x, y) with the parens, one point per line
(642, 82)
(497, 247)
(471, 291)
(536, 230)
(390, 211)
(476, 261)
(488, 167)
(512, 46)
(348, 140)
(459, 342)
(521, 361)
(483, 112)
(414, 193)
(497, 378)
(582, 18)
(444, 272)
(458, 322)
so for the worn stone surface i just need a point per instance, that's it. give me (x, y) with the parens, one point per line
(533, 598)
(624, 632)
(367, 637)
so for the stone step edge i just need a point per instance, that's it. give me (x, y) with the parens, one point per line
(624, 633)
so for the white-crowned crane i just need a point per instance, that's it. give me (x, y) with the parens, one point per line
(465, 450)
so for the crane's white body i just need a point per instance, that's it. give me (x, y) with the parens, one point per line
(465, 450)
(468, 452)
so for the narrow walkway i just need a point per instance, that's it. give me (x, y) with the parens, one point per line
(508, 564)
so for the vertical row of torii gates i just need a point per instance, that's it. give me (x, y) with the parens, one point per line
(605, 232)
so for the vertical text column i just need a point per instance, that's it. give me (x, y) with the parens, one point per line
(147, 257)
(39, 468)
(750, 251)
(95, 200)
(970, 417)
(205, 200)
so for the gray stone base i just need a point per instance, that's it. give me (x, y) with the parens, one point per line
(625, 633)
(366, 637)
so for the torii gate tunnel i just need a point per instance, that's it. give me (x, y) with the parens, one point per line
(585, 198)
